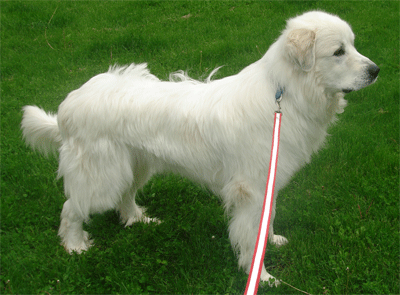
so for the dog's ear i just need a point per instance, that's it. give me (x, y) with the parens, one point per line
(300, 48)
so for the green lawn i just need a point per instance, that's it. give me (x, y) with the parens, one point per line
(340, 213)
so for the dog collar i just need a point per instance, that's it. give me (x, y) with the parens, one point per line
(278, 94)
(278, 97)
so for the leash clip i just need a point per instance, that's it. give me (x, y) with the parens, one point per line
(278, 98)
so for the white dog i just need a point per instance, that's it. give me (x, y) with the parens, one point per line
(123, 126)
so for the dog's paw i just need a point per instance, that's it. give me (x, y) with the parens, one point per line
(270, 280)
(144, 219)
(279, 240)
(78, 247)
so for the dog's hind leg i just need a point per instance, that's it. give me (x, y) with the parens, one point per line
(73, 237)
(129, 211)
(96, 174)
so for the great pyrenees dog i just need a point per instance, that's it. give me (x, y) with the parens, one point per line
(125, 125)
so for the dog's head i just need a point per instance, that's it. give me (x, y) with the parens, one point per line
(324, 44)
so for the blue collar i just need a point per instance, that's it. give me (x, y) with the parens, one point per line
(278, 94)
(278, 97)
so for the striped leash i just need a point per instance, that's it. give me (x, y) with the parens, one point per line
(259, 251)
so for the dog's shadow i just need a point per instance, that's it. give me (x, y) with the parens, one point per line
(104, 226)
(187, 212)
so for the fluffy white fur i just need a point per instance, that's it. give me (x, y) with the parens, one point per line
(123, 126)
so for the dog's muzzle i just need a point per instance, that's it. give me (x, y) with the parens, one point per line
(371, 74)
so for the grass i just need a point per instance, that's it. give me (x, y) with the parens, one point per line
(340, 213)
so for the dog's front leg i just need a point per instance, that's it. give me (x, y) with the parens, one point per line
(275, 239)
(266, 277)
(243, 231)
(244, 203)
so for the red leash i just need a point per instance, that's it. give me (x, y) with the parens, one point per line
(258, 256)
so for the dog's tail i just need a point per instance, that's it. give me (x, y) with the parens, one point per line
(40, 130)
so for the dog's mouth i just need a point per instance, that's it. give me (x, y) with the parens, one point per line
(347, 90)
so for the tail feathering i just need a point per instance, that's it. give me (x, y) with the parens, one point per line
(40, 130)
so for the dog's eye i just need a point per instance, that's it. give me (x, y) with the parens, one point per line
(339, 52)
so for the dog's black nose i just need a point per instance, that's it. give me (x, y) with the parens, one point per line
(373, 71)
